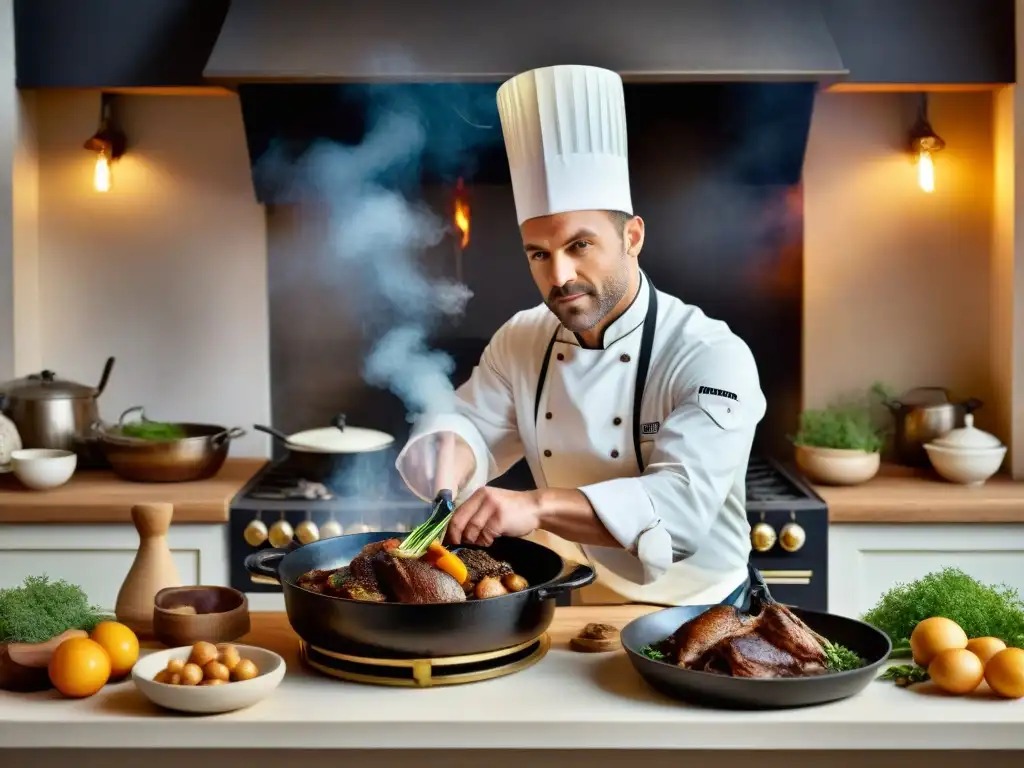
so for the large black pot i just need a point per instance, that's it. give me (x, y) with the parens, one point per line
(349, 460)
(420, 631)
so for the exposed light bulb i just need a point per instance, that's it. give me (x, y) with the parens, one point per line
(101, 178)
(926, 171)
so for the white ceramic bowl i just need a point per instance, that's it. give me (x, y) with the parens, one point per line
(43, 468)
(209, 699)
(968, 466)
(837, 466)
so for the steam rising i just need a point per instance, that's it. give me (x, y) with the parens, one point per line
(379, 229)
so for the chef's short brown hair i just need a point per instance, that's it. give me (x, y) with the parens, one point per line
(619, 219)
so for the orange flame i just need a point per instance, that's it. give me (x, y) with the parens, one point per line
(461, 214)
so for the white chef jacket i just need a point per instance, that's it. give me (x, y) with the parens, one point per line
(682, 522)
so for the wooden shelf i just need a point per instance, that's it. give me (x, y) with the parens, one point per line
(904, 495)
(100, 496)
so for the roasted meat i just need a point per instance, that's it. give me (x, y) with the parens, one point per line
(774, 643)
(697, 636)
(414, 581)
(480, 565)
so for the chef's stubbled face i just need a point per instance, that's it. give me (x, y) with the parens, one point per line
(582, 263)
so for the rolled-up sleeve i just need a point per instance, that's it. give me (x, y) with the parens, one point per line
(484, 417)
(664, 515)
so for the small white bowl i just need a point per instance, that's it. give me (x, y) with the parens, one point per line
(837, 466)
(209, 699)
(968, 466)
(43, 468)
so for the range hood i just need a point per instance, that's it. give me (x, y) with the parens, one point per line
(414, 41)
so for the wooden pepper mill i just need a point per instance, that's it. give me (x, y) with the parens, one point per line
(152, 570)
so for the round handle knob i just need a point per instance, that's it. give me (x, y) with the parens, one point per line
(306, 532)
(255, 532)
(281, 534)
(792, 537)
(330, 529)
(762, 537)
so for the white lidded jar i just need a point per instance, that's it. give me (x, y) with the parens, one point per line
(967, 455)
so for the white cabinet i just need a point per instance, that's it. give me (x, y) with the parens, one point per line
(97, 557)
(866, 560)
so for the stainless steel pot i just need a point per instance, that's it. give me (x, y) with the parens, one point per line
(55, 413)
(921, 415)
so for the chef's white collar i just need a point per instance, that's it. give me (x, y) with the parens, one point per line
(628, 322)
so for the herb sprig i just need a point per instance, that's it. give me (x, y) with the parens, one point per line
(40, 609)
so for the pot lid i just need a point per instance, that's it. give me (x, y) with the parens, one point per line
(46, 386)
(968, 437)
(340, 440)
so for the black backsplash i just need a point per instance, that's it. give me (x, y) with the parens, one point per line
(715, 172)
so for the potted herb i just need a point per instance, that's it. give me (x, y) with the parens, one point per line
(841, 444)
(34, 619)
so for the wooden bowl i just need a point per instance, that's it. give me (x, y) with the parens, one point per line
(221, 615)
(24, 666)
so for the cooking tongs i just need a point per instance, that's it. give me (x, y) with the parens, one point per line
(415, 544)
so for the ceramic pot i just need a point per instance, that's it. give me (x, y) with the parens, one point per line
(837, 466)
(968, 455)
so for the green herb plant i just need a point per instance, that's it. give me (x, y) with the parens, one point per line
(849, 423)
(39, 610)
(981, 610)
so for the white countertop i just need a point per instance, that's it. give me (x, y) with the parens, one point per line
(568, 700)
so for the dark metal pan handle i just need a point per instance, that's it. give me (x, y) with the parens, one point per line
(264, 564)
(271, 431)
(578, 577)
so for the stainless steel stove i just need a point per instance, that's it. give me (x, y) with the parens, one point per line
(776, 498)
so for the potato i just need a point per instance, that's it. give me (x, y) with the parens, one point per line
(244, 670)
(192, 674)
(214, 670)
(228, 655)
(203, 653)
(213, 681)
(489, 587)
(175, 665)
(514, 582)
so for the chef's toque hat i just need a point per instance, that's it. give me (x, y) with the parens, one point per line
(565, 136)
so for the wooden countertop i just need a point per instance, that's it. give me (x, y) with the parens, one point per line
(100, 496)
(568, 700)
(905, 495)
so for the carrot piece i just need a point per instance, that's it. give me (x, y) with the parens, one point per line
(443, 560)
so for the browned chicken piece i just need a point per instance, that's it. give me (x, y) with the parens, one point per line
(781, 628)
(701, 633)
(751, 655)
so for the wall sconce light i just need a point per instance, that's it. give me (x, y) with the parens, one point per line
(924, 143)
(108, 143)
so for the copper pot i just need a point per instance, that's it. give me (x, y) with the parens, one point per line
(197, 456)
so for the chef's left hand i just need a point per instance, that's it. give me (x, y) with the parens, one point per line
(493, 512)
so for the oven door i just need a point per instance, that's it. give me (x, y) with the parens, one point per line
(798, 575)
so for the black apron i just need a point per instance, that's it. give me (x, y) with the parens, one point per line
(642, 367)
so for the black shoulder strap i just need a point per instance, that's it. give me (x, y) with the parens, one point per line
(543, 375)
(643, 365)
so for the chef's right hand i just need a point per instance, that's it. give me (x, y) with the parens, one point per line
(437, 462)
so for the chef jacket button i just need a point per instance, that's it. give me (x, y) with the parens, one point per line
(561, 356)
(547, 454)
(616, 421)
(624, 358)
(547, 415)
(615, 454)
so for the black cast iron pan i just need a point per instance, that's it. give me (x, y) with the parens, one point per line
(723, 691)
(419, 631)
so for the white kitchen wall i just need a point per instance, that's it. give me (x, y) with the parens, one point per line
(9, 119)
(167, 271)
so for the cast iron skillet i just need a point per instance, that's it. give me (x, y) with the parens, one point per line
(711, 689)
(419, 631)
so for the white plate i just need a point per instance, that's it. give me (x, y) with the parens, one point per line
(209, 699)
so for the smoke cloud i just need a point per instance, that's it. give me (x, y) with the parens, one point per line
(379, 229)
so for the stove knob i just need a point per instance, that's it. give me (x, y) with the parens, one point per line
(762, 537)
(792, 537)
(306, 532)
(281, 534)
(255, 533)
(330, 529)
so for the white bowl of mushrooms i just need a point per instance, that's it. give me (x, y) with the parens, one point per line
(205, 678)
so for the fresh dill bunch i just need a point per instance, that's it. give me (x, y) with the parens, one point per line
(980, 610)
(839, 658)
(41, 609)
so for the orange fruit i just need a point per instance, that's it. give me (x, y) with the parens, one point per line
(79, 667)
(121, 645)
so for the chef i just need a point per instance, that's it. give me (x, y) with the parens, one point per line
(635, 411)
